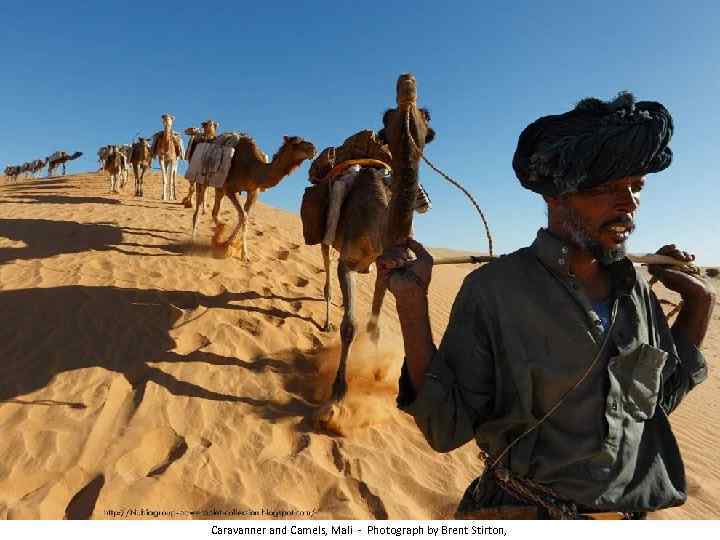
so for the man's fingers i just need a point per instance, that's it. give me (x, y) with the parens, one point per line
(418, 249)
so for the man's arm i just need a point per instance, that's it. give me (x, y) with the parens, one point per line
(409, 284)
(688, 369)
(448, 391)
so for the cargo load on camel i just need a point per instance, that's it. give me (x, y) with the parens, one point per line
(333, 175)
(210, 161)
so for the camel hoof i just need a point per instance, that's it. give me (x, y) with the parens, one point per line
(330, 417)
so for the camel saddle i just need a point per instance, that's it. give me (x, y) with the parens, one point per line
(363, 148)
(362, 145)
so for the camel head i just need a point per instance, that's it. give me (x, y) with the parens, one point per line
(210, 128)
(167, 120)
(394, 121)
(292, 153)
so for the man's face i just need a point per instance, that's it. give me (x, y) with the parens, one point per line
(600, 219)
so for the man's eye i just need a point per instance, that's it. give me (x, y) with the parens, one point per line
(637, 188)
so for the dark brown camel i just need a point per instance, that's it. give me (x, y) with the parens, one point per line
(60, 158)
(140, 159)
(374, 218)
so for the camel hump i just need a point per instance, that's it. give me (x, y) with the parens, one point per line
(245, 146)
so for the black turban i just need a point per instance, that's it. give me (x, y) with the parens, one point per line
(596, 142)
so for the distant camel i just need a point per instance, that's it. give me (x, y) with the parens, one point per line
(12, 172)
(60, 158)
(374, 217)
(36, 166)
(208, 134)
(114, 165)
(250, 172)
(167, 147)
(140, 159)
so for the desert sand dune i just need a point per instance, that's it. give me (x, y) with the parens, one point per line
(139, 372)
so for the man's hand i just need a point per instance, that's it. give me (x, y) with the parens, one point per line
(408, 279)
(698, 296)
(687, 285)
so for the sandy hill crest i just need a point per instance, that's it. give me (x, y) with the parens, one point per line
(138, 373)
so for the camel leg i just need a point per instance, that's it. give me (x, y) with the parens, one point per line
(241, 219)
(187, 201)
(249, 202)
(199, 197)
(378, 296)
(347, 329)
(141, 189)
(164, 172)
(328, 289)
(173, 174)
(136, 174)
(219, 194)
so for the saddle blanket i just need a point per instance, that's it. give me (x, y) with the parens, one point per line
(210, 164)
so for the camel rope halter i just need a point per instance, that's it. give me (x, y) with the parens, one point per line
(411, 103)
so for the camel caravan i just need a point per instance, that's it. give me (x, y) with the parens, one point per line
(31, 168)
(361, 198)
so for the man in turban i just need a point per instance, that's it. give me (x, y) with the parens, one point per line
(558, 359)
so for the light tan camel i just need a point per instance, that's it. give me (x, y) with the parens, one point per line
(60, 158)
(374, 217)
(140, 159)
(208, 134)
(250, 172)
(115, 164)
(167, 147)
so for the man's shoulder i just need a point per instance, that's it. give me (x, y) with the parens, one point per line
(506, 271)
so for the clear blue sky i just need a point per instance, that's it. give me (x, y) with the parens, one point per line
(77, 75)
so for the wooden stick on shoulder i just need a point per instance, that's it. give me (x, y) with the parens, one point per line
(649, 258)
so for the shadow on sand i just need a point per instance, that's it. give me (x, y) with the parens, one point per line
(48, 331)
(42, 238)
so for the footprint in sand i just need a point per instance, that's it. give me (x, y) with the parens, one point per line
(294, 246)
(251, 325)
(301, 282)
(259, 233)
(283, 255)
(296, 306)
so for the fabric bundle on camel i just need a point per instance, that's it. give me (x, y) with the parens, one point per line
(210, 164)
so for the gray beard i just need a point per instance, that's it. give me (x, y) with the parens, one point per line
(572, 223)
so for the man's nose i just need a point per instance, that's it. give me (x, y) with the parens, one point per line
(627, 200)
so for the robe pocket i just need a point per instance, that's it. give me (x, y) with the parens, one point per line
(639, 375)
